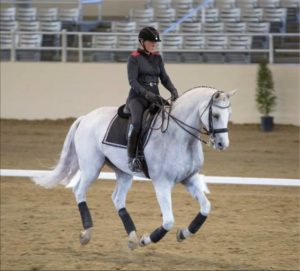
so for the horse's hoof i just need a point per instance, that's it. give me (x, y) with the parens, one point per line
(133, 241)
(145, 240)
(85, 236)
(179, 236)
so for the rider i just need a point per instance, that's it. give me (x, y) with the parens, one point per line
(145, 67)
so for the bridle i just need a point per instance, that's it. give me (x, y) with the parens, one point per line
(211, 131)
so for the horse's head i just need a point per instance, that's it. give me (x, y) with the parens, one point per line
(215, 119)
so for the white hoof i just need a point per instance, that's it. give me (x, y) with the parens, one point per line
(85, 236)
(179, 238)
(145, 240)
(133, 241)
(182, 234)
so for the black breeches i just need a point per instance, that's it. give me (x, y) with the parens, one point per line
(137, 106)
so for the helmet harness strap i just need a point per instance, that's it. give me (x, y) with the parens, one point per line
(142, 43)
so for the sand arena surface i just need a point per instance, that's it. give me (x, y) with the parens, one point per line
(249, 228)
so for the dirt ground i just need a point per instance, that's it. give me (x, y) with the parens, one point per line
(249, 228)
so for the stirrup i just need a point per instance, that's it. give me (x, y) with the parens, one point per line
(135, 165)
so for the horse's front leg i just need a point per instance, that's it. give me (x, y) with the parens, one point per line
(195, 187)
(163, 194)
(124, 182)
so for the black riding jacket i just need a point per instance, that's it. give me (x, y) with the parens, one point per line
(144, 71)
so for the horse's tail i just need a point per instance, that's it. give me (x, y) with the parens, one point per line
(67, 165)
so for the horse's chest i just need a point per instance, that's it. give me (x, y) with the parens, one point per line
(184, 163)
(189, 168)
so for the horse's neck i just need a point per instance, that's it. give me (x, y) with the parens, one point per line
(189, 106)
(187, 110)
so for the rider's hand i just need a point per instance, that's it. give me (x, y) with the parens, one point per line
(174, 96)
(166, 102)
(151, 97)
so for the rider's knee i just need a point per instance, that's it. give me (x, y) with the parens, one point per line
(168, 224)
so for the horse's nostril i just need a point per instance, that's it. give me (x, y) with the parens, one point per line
(220, 145)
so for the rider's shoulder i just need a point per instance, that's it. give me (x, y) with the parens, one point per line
(156, 54)
(135, 54)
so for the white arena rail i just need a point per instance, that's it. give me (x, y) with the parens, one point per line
(207, 179)
(80, 48)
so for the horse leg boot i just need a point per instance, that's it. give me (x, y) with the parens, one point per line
(133, 241)
(133, 138)
(163, 194)
(196, 188)
(123, 184)
(87, 223)
(80, 190)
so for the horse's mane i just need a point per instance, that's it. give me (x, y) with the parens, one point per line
(209, 87)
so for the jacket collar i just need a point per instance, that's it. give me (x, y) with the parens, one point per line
(144, 52)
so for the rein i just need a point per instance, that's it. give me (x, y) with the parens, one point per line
(211, 132)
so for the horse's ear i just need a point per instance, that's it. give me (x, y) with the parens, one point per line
(231, 93)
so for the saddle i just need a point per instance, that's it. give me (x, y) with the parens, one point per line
(117, 132)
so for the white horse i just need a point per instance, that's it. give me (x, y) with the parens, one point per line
(173, 155)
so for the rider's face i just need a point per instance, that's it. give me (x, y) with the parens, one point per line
(150, 46)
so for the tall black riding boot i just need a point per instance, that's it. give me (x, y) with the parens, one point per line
(133, 162)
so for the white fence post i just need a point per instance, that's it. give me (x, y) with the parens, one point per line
(13, 46)
(271, 49)
(80, 51)
(64, 46)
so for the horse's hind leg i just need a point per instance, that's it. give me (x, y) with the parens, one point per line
(123, 184)
(90, 165)
(195, 188)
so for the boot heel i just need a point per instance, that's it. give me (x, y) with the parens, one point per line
(135, 165)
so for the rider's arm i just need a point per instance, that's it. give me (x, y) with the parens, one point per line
(165, 79)
(132, 71)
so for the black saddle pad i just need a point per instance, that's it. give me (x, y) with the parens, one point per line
(116, 134)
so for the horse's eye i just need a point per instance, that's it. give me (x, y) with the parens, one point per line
(216, 116)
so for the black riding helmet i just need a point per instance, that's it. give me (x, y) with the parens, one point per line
(149, 33)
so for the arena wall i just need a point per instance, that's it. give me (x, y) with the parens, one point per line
(62, 90)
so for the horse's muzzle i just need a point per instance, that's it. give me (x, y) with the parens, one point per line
(219, 142)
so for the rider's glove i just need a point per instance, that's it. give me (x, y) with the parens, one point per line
(151, 97)
(174, 95)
